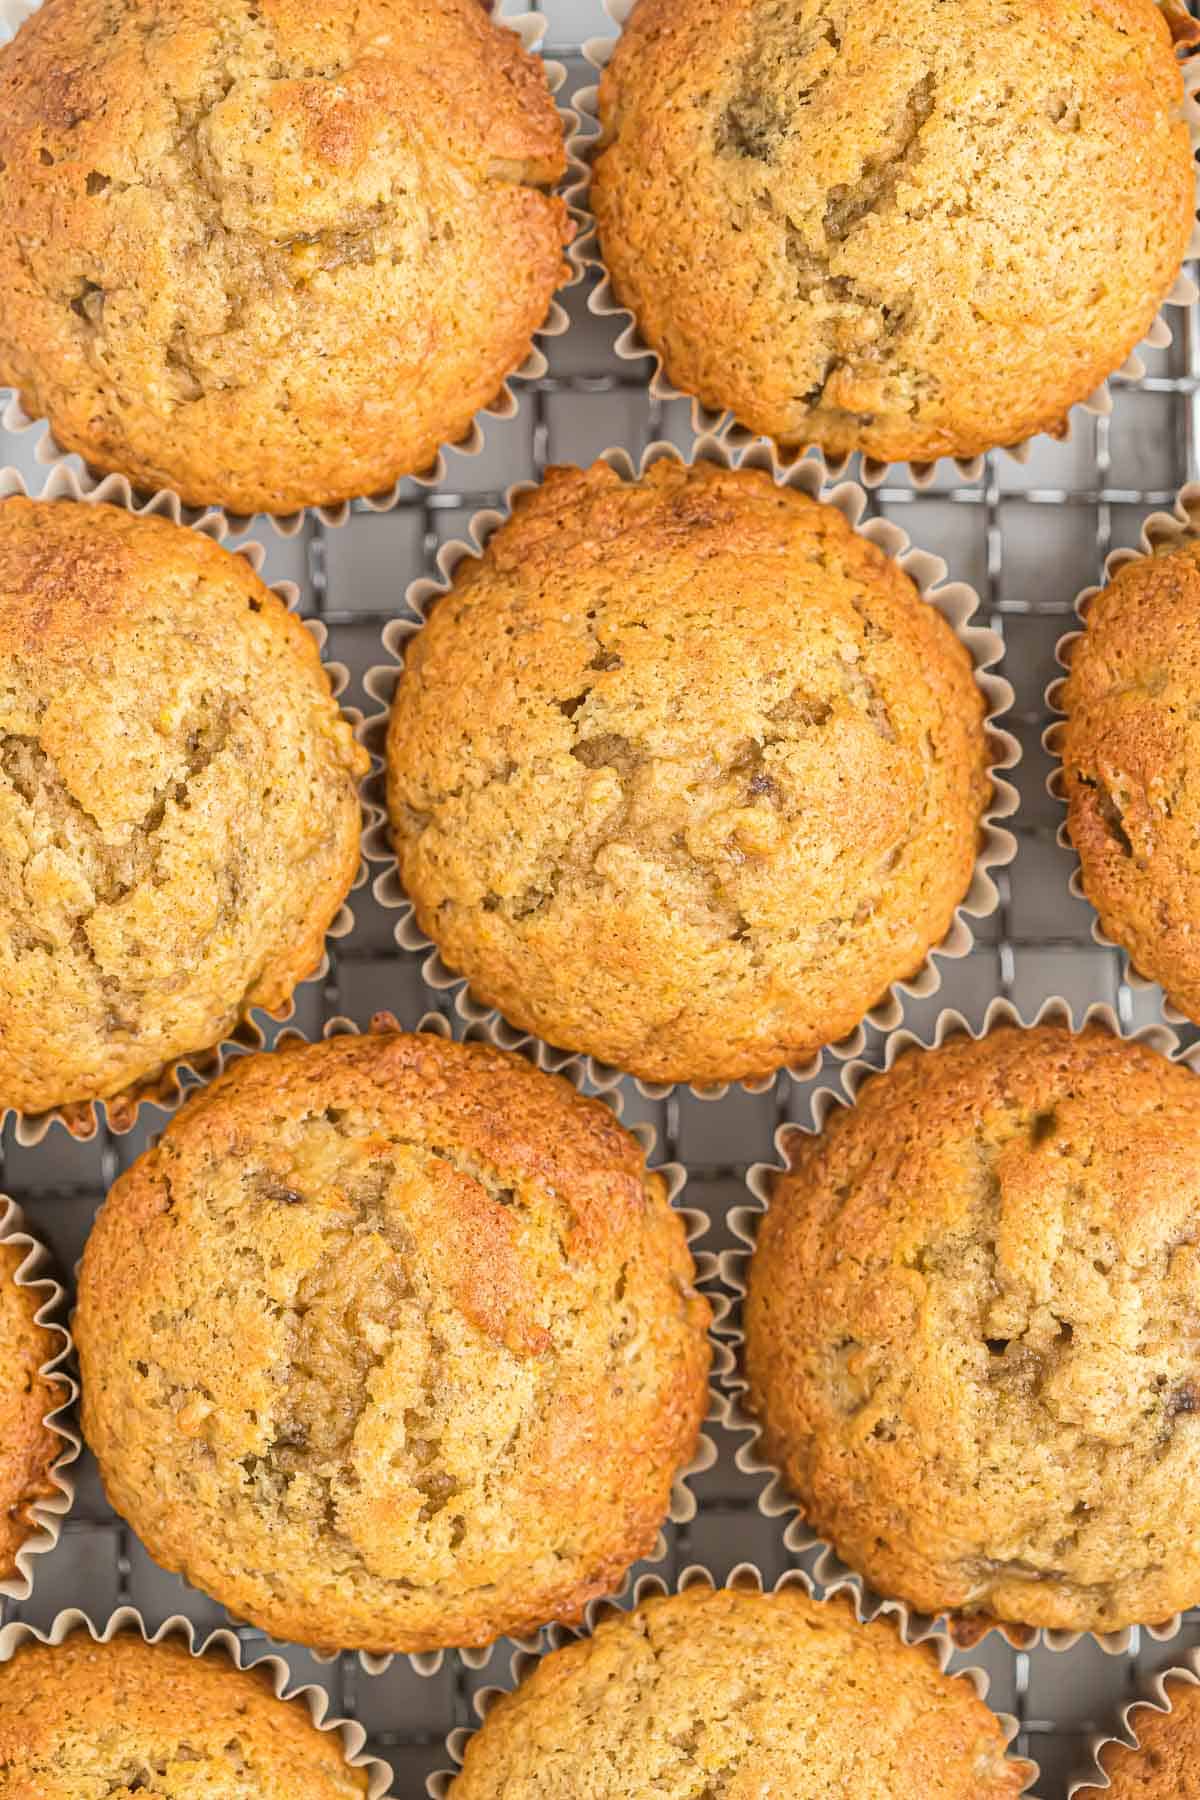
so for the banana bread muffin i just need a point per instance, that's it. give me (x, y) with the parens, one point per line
(392, 1343)
(269, 254)
(179, 814)
(970, 1330)
(893, 226)
(1130, 751)
(734, 1692)
(1166, 1763)
(81, 1719)
(28, 1447)
(684, 773)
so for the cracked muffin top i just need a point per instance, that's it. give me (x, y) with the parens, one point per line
(1165, 1764)
(392, 1344)
(179, 814)
(684, 772)
(707, 1693)
(28, 1446)
(970, 1330)
(905, 228)
(269, 254)
(1130, 749)
(153, 1722)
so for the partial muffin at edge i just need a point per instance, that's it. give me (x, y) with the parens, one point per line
(392, 1343)
(179, 813)
(28, 1447)
(1166, 1762)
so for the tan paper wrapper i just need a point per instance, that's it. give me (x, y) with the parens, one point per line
(530, 28)
(631, 347)
(776, 1500)
(127, 1618)
(47, 1514)
(957, 603)
(82, 1118)
(1154, 1695)
(911, 1629)
(1161, 531)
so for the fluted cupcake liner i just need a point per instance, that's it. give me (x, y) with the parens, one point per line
(958, 605)
(119, 1113)
(45, 1515)
(630, 346)
(682, 1507)
(910, 1628)
(530, 27)
(1154, 1695)
(1160, 531)
(129, 1619)
(775, 1500)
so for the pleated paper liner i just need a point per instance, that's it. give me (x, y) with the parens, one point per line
(530, 27)
(46, 1514)
(776, 1501)
(128, 1619)
(82, 1118)
(682, 1506)
(1154, 1695)
(957, 603)
(910, 1628)
(1161, 531)
(630, 346)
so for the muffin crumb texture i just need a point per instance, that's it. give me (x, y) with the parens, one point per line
(179, 814)
(88, 1721)
(1166, 1763)
(1130, 751)
(970, 1330)
(703, 1694)
(684, 773)
(269, 254)
(904, 228)
(28, 1447)
(392, 1344)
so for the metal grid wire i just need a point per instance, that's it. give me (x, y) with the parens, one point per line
(1027, 538)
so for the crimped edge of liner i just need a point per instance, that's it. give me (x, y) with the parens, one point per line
(630, 346)
(1153, 1696)
(1161, 532)
(201, 1643)
(505, 404)
(683, 1505)
(45, 1514)
(911, 1628)
(775, 1500)
(958, 604)
(82, 1118)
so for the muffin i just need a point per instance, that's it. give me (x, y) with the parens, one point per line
(736, 1692)
(898, 227)
(684, 773)
(392, 1344)
(1165, 1765)
(179, 813)
(1130, 750)
(271, 255)
(969, 1331)
(80, 1719)
(28, 1447)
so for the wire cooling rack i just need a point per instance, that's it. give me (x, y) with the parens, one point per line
(1027, 538)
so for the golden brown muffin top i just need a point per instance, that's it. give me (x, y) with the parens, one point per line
(697, 1694)
(684, 773)
(970, 1330)
(28, 1447)
(1131, 764)
(894, 226)
(267, 253)
(1166, 1763)
(179, 816)
(392, 1343)
(81, 1719)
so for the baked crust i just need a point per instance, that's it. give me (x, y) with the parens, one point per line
(1166, 1763)
(28, 1447)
